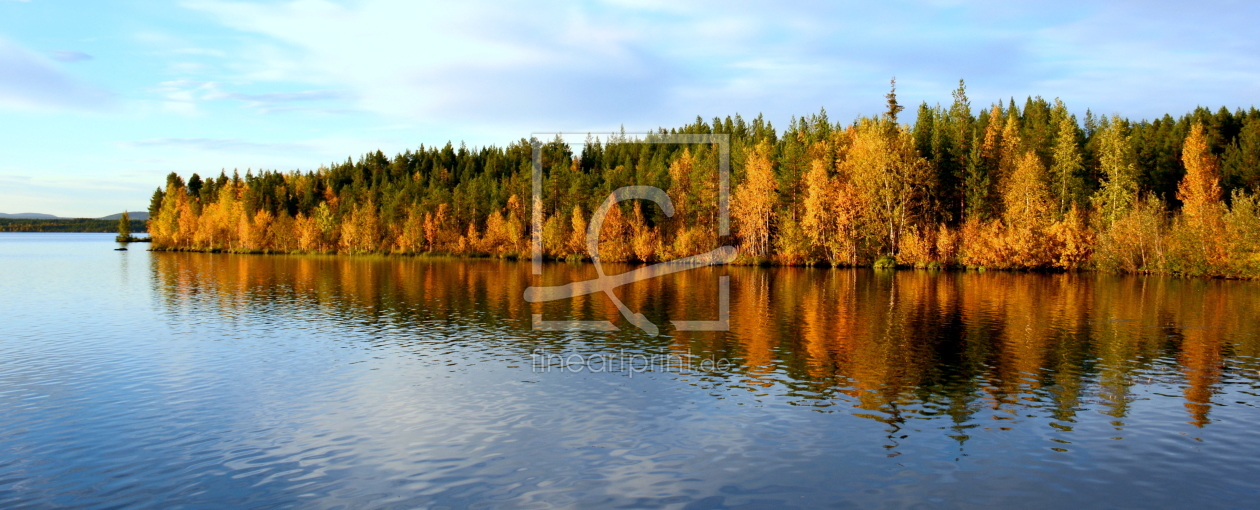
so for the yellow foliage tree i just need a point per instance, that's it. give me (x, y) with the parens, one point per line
(818, 220)
(646, 242)
(308, 233)
(1118, 163)
(361, 232)
(164, 227)
(411, 240)
(553, 236)
(495, 240)
(918, 248)
(1011, 152)
(1200, 190)
(1029, 208)
(1074, 239)
(615, 237)
(470, 242)
(754, 201)
(437, 228)
(515, 235)
(577, 235)
(680, 172)
(283, 233)
(256, 232)
(1135, 242)
(984, 244)
(890, 176)
(1242, 227)
(1199, 235)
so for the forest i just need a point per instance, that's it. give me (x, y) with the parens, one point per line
(1031, 187)
(65, 225)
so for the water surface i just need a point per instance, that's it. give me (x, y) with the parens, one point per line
(168, 380)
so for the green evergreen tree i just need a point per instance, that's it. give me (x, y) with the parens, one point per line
(1067, 160)
(124, 227)
(893, 107)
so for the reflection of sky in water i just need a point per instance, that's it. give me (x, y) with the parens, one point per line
(160, 379)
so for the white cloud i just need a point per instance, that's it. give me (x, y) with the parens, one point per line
(470, 61)
(184, 97)
(543, 65)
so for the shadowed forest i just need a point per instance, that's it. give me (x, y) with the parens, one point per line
(66, 225)
(1030, 187)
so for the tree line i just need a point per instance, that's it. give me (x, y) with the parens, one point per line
(66, 225)
(1007, 187)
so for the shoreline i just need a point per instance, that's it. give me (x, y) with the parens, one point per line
(739, 262)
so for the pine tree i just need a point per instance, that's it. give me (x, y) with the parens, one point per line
(893, 107)
(1012, 148)
(1068, 161)
(984, 192)
(1241, 164)
(961, 122)
(124, 227)
(976, 185)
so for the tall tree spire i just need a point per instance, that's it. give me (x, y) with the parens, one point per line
(893, 107)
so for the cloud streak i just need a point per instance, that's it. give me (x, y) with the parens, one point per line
(220, 145)
(68, 55)
(30, 82)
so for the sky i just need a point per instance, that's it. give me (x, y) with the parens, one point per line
(99, 100)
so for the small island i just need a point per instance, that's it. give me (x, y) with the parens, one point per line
(124, 231)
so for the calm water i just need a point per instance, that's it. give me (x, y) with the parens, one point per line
(136, 379)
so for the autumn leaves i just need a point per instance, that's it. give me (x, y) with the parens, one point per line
(953, 191)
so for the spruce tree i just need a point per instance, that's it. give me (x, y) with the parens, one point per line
(124, 227)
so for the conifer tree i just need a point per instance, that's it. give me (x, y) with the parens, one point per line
(1012, 148)
(893, 107)
(124, 227)
(961, 122)
(1068, 161)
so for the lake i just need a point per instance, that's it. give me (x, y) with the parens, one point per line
(169, 380)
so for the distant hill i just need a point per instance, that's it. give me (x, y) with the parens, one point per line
(135, 215)
(35, 216)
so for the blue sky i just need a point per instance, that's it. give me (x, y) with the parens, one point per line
(100, 99)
